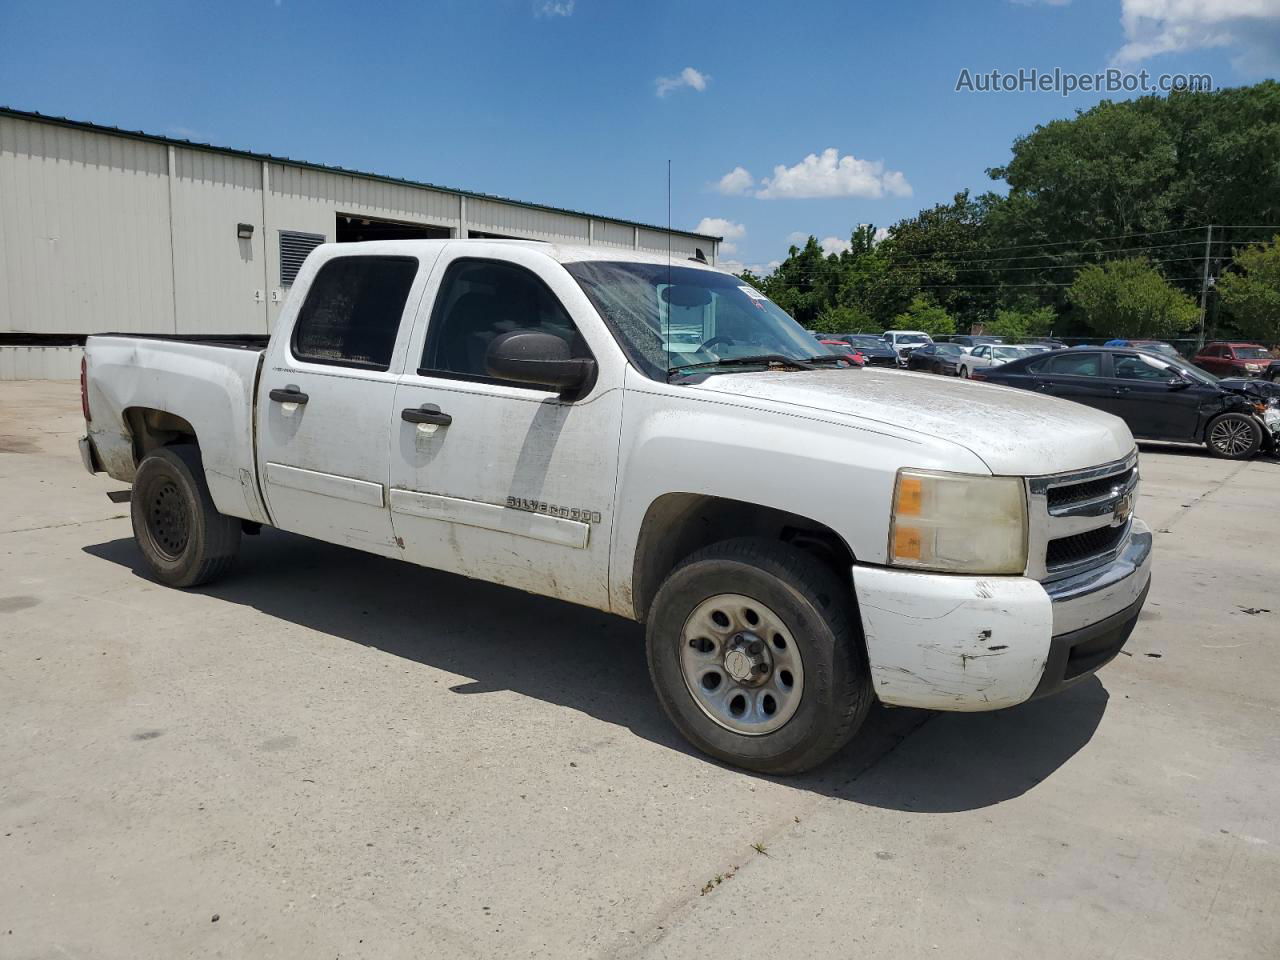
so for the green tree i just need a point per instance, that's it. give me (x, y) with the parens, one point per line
(1252, 293)
(925, 314)
(839, 319)
(1130, 298)
(1019, 323)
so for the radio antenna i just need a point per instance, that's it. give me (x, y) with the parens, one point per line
(667, 333)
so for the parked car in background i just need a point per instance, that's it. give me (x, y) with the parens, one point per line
(874, 350)
(972, 340)
(1158, 397)
(988, 355)
(904, 341)
(1231, 359)
(1153, 346)
(1048, 342)
(842, 349)
(941, 358)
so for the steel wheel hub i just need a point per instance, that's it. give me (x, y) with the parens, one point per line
(741, 664)
(168, 521)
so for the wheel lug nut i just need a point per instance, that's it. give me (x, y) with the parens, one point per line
(755, 647)
(761, 668)
(737, 638)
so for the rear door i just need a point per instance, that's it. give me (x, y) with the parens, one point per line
(325, 399)
(517, 488)
(1074, 375)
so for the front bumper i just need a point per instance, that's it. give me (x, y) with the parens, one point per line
(944, 642)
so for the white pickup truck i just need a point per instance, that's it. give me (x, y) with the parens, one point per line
(800, 536)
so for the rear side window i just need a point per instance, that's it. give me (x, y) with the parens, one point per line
(1072, 365)
(353, 310)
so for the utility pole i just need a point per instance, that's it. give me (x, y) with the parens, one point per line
(1204, 283)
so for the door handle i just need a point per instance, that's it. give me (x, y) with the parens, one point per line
(1044, 384)
(290, 394)
(1120, 390)
(427, 413)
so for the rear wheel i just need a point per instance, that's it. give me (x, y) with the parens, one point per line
(183, 538)
(964, 372)
(1233, 436)
(756, 658)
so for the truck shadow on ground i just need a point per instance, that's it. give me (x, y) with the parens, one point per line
(592, 662)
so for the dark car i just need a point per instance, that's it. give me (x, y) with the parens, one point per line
(874, 350)
(1158, 397)
(973, 340)
(937, 358)
(1231, 359)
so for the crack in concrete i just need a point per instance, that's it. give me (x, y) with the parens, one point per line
(1188, 507)
(72, 523)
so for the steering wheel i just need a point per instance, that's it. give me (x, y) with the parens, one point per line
(727, 341)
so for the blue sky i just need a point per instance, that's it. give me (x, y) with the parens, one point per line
(580, 103)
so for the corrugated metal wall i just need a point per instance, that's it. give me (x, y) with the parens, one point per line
(84, 231)
(106, 232)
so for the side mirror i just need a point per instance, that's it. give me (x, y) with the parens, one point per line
(1177, 383)
(531, 356)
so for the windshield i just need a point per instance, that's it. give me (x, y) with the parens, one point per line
(1252, 353)
(911, 338)
(868, 342)
(667, 318)
(1010, 353)
(1191, 372)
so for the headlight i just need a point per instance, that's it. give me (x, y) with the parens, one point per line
(958, 523)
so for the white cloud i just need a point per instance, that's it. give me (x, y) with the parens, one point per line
(554, 8)
(737, 181)
(882, 233)
(1154, 27)
(832, 245)
(688, 77)
(720, 227)
(831, 175)
(759, 269)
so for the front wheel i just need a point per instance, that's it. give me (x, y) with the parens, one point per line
(756, 657)
(1233, 436)
(964, 372)
(183, 538)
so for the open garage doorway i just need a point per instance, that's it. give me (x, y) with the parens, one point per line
(353, 228)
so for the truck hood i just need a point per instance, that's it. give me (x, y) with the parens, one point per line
(1014, 432)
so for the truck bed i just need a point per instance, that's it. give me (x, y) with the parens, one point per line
(210, 381)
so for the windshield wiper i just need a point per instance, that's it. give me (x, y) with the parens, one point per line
(763, 359)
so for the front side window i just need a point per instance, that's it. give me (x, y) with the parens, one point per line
(352, 311)
(669, 318)
(482, 299)
(1141, 367)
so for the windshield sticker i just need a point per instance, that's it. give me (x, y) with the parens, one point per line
(752, 292)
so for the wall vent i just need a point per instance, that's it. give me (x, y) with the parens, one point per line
(294, 247)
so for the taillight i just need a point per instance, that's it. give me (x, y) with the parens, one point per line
(84, 391)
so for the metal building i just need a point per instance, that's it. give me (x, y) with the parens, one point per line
(105, 229)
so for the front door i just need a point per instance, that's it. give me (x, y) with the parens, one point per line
(512, 484)
(325, 399)
(1146, 398)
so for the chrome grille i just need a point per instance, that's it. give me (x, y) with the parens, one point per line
(1080, 520)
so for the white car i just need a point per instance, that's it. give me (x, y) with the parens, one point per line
(514, 412)
(993, 354)
(904, 341)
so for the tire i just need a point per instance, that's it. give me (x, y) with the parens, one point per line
(964, 372)
(808, 635)
(183, 538)
(1233, 436)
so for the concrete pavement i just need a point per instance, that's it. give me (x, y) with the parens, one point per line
(338, 755)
